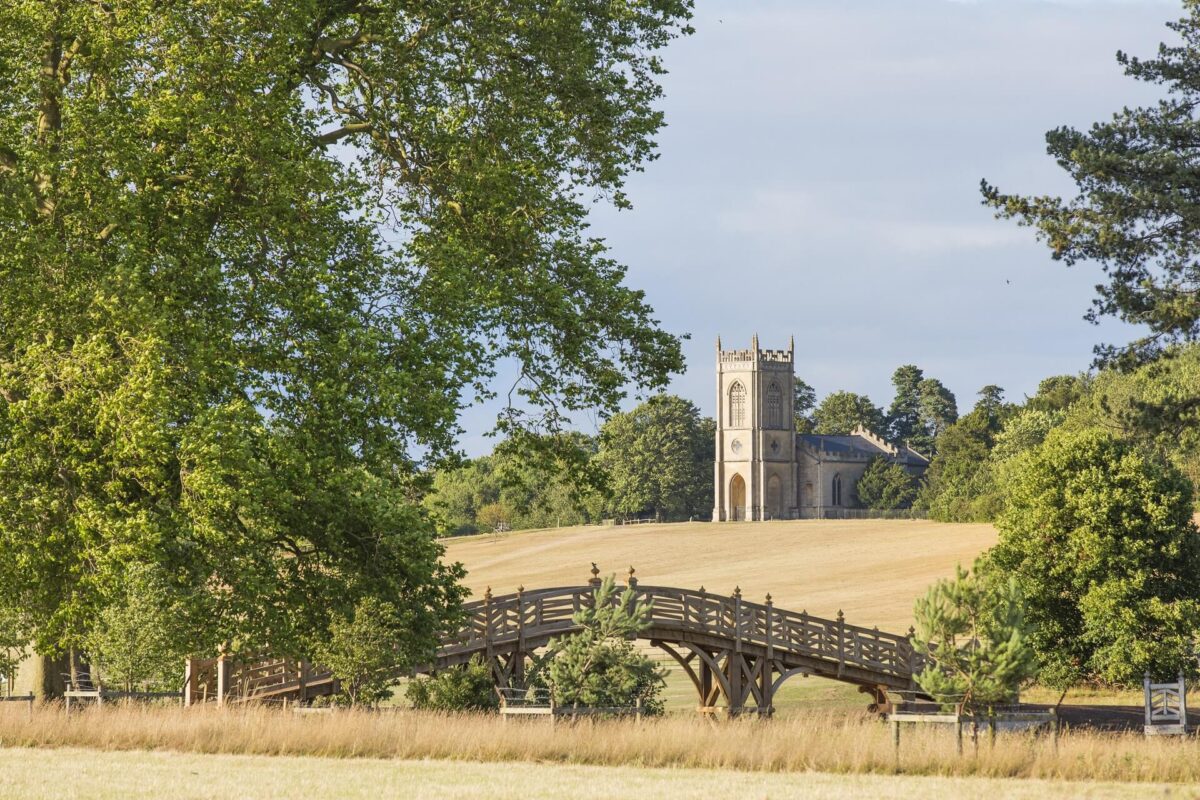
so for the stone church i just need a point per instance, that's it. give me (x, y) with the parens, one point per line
(764, 469)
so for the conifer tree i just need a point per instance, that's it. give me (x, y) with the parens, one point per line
(599, 666)
(972, 629)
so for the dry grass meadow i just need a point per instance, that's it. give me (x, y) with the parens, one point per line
(259, 752)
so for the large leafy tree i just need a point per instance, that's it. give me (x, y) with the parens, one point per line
(255, 256)
(1099, 534)
(841, 412)
(658, 458)
(1134, 211)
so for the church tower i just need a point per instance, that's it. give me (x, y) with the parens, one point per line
(756, 472)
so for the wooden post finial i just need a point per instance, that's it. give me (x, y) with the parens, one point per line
(737, 592)
(632, 577)
(595, 579)
(769, 598)
(702, 589)
(911, 631)
(841, 616)
(521, 589)
(487, 595)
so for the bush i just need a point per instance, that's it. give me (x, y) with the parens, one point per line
(466, 688)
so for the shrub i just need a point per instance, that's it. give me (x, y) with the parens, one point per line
(137, 639)
(466, 688)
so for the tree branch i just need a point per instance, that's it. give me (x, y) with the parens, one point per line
(341, 133)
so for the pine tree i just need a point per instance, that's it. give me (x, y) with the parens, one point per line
(972, 629)
(599, 666)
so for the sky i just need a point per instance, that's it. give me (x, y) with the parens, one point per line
(819, 177)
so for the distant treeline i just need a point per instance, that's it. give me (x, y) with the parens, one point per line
(656, 460)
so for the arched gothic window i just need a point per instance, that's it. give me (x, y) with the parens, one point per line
(774, 406)
(737, 405)
(837, 489)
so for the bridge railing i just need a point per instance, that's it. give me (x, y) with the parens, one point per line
(547, 612)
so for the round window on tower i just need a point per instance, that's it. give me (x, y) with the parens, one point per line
(736, 446)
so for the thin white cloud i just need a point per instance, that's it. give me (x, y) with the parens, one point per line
(786, 219)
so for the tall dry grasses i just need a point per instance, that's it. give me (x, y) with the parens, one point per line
(811, 742)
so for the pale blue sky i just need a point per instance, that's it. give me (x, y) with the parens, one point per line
(819, 177)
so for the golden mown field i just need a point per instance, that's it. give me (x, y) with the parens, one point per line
(871, 569)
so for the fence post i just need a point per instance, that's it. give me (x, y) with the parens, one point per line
(737, 619)
(1146, 687)
(912, 658)
(841, 629)
(768, 670)
(222, 679)
(1182, 702)
(189, 681)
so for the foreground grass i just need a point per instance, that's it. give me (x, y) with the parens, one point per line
(814, 742)
(37, 774)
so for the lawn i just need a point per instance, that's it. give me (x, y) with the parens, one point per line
(26, 774)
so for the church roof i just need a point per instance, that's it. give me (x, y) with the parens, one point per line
(860, 446)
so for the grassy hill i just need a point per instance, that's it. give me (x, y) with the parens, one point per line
(871, 569)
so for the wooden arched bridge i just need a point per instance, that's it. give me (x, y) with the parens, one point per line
(737, 653)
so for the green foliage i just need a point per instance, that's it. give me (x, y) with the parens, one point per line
(959, 485)
(469, 687)
(804, 400)
(1098, 533)
(1129, 214)
(1157, 406)
(904, 415)
(885, 486)
(518, 488)
(138, 638)
(366, 651)
(599, 666)
(973, 630)
(921, 409)
(841, 412)
(256, 256)
(14, 638)
(938, 408)
(658, 459)
(1059, 392)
